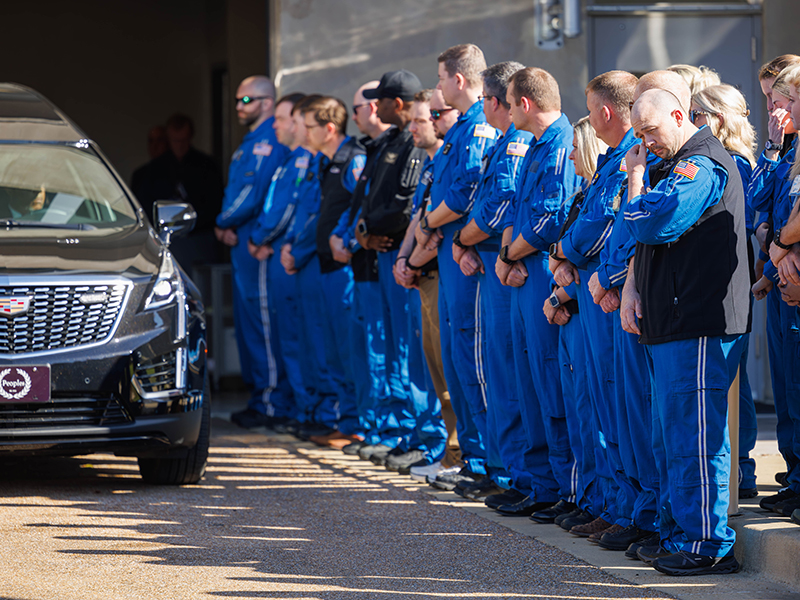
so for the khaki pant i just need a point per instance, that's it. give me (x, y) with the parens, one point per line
(432, 347)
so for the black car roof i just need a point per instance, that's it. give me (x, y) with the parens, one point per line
(26, 115)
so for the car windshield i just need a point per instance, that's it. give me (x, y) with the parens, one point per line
(59, 185)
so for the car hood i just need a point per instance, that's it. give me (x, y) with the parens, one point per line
(132, 251)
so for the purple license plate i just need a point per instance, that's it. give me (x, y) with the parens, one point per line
(25, 384)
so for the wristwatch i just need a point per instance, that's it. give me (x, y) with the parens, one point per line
(554, 301)
(423, 224)
(457, 239)
(362, 228)
(770, 145)
(776, 239)
(504, 256)
(554, 251)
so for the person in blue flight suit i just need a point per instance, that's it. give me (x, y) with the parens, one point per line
(341, 164)
(475, 249)
(251, 170)
(410, 426)
(691, 315)
(269, 233)
(457, 170)
(608, 98)
(539, 209)
(724, 109)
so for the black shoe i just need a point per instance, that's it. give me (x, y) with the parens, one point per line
(379, 457)
(796, 517)
(290, 427)
(352, 449)
(524, 508)
(448, 481)
(250, 418)
(687, 563)
(561, 518)
(787, 507)
(621, 540)
(306, 430)
(769, 502)
(782, 478)
(647, 554)
(581, 518)
(653, 540)
(548, 515)
(365, 452)
(479, 490)
(511, 496)
(395, 462)
(745, 493)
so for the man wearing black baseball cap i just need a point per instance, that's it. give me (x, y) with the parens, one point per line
(411, 426)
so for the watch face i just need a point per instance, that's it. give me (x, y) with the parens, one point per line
(554, 302)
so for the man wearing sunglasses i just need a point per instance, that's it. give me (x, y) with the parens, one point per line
(252, 167)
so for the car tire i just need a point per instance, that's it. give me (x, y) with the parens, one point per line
(189, 468)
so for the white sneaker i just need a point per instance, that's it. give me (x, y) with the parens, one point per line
(431, 478)
(421, 473)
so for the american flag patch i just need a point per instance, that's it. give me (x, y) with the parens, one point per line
(622, 166)
(486, 131)
(517, 149)
(686, 168)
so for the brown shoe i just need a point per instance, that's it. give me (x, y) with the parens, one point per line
(335, 439)
(595, 537)
(599, 524)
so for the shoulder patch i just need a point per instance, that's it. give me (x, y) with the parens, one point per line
(484, 130)
(262, 149)
(686, 168)
(795, 187)
(622, 166)
(301, 162)
(517, 149)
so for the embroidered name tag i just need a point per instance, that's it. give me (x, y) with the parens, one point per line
(335, 170)
(390, 158)
(262, 149)
(427, 177)
(301, 162)
(686, 168)
(482, 130)
(517, 149)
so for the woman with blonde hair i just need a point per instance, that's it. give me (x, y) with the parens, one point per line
(697, 78)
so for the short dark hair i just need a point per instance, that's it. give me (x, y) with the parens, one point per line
(538, 86)
(423, 95)
(292, 98)
(615, 88)
(466, 59)
(496, 78)
(179, 121)
(328, 109)
(300, 104)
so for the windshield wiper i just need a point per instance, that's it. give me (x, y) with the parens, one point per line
(11, 224)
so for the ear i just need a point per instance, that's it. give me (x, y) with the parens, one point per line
(678, 116)
(461, 81)
(330, 128)
(398, 105)
(526, 104)
(607, 114)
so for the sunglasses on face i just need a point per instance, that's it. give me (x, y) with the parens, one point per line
(436, 113)
(693, 114)
(248, 99)
(357, 106)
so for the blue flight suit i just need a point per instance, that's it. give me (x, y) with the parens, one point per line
(271, 228)
(637, 481)
(506, 442)
(540, 207)
(457, 170)
(252, 167)
(690, 379)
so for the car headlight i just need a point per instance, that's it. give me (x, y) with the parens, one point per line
(168, 286)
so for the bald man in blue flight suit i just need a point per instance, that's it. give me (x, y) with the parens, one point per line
(252, 167)
(688, 299)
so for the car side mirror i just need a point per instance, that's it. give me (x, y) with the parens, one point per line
(173, 219)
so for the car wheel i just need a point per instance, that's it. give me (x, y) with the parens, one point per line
(189, 468)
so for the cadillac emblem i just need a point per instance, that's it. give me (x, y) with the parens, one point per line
(11, 306)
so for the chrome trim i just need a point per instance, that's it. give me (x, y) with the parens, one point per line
(11, 280)
(180, 381)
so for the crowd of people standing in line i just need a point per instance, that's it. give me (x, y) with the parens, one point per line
(539, 315)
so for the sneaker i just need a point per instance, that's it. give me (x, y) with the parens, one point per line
(289, 427)
(597, 535)
(796, 517)
(511, 496)
(769, 502)
(448, 481)
(442, 473)
(548, 515)
(587, 529)
(421, 472)
(653, 540)
(581, 518)
(570, 515)
(353, 449)
(787, 507)
(745, 493)
(249, 418)
(308, 430)
(396, 462)
(623, 538)
(782, 478)
(647, 554)
(479, 490)
(687, 563)
(365, 452)
(379, 457)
